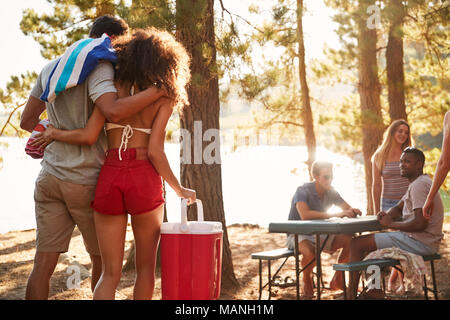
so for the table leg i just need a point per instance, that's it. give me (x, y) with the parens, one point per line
(318, 265)
(297, 276)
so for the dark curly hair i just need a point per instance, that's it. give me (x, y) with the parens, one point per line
(153, 57)
(108, 24)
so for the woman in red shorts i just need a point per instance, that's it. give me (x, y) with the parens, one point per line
(130, 179)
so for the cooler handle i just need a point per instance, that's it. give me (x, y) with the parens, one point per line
(218, 268)
(184, 226)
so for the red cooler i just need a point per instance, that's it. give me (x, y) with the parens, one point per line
(191, 257)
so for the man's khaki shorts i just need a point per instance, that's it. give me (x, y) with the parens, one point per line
(59, 206)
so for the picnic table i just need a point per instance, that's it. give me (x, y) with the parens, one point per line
(322, 226)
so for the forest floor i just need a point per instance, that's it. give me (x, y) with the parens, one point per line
(17, 251)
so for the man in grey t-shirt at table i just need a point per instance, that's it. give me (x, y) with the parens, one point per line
(311, 201)
(414, 233)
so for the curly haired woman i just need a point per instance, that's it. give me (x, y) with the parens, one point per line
(130, 179)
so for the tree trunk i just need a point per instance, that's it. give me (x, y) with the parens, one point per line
(307, 117)
(369, 92)
(195, 30)
(394, 61)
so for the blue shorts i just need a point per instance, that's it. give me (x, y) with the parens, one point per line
(402, 241)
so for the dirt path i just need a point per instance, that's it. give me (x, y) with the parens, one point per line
(17, 251)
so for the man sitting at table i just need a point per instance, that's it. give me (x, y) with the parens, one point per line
(310, 202)
(415, 233)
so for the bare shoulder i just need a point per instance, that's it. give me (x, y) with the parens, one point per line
(156, 109)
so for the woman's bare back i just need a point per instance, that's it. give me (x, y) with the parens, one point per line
(144, 120)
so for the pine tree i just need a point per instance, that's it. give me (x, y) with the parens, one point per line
(195, 29)
(280, 86)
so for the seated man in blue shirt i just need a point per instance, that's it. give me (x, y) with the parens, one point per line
(311, 201)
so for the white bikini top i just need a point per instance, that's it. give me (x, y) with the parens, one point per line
(127, 130)
(126, 134)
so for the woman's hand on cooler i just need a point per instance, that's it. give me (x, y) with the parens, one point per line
(187, 194)
(44, 138)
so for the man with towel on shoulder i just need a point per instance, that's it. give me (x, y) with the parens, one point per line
(68, 88)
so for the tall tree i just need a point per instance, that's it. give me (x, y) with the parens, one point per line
(396, 11)
(279, 85)
(195, 30)
(369, 92)
(308, 123)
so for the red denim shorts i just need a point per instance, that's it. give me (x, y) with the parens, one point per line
(128, 185)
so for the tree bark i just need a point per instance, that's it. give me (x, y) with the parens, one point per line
(369, 92)
(306, 115)
(394, 61)
(195, 30)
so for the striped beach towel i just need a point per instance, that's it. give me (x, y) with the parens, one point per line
(75, 65)
(35, 152)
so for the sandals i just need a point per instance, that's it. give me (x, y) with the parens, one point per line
(283, 283)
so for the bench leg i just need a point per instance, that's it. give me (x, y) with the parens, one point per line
(433, 277)
(270, 278)
(425, 287)
(297, 275)
(345, 286)
(260, 279)
(318, 265)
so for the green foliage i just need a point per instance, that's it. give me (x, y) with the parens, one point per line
(144, 13)
(12, 99)
(426, 49)
(271, 83)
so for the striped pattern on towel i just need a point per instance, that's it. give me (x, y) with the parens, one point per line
(75, 65)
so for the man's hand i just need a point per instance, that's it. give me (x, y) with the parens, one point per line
(380, 214)
(350, 213)
(384, 219)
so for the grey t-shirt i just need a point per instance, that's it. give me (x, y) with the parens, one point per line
(70, 110)
(307, 193)
(415, 198)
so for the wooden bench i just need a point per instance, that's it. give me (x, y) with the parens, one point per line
(363, 265)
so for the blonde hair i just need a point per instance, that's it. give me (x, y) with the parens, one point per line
(380, 156)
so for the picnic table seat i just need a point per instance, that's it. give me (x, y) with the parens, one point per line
(363, 265)
(272, 280)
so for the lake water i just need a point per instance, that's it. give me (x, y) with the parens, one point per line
(258, 182)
